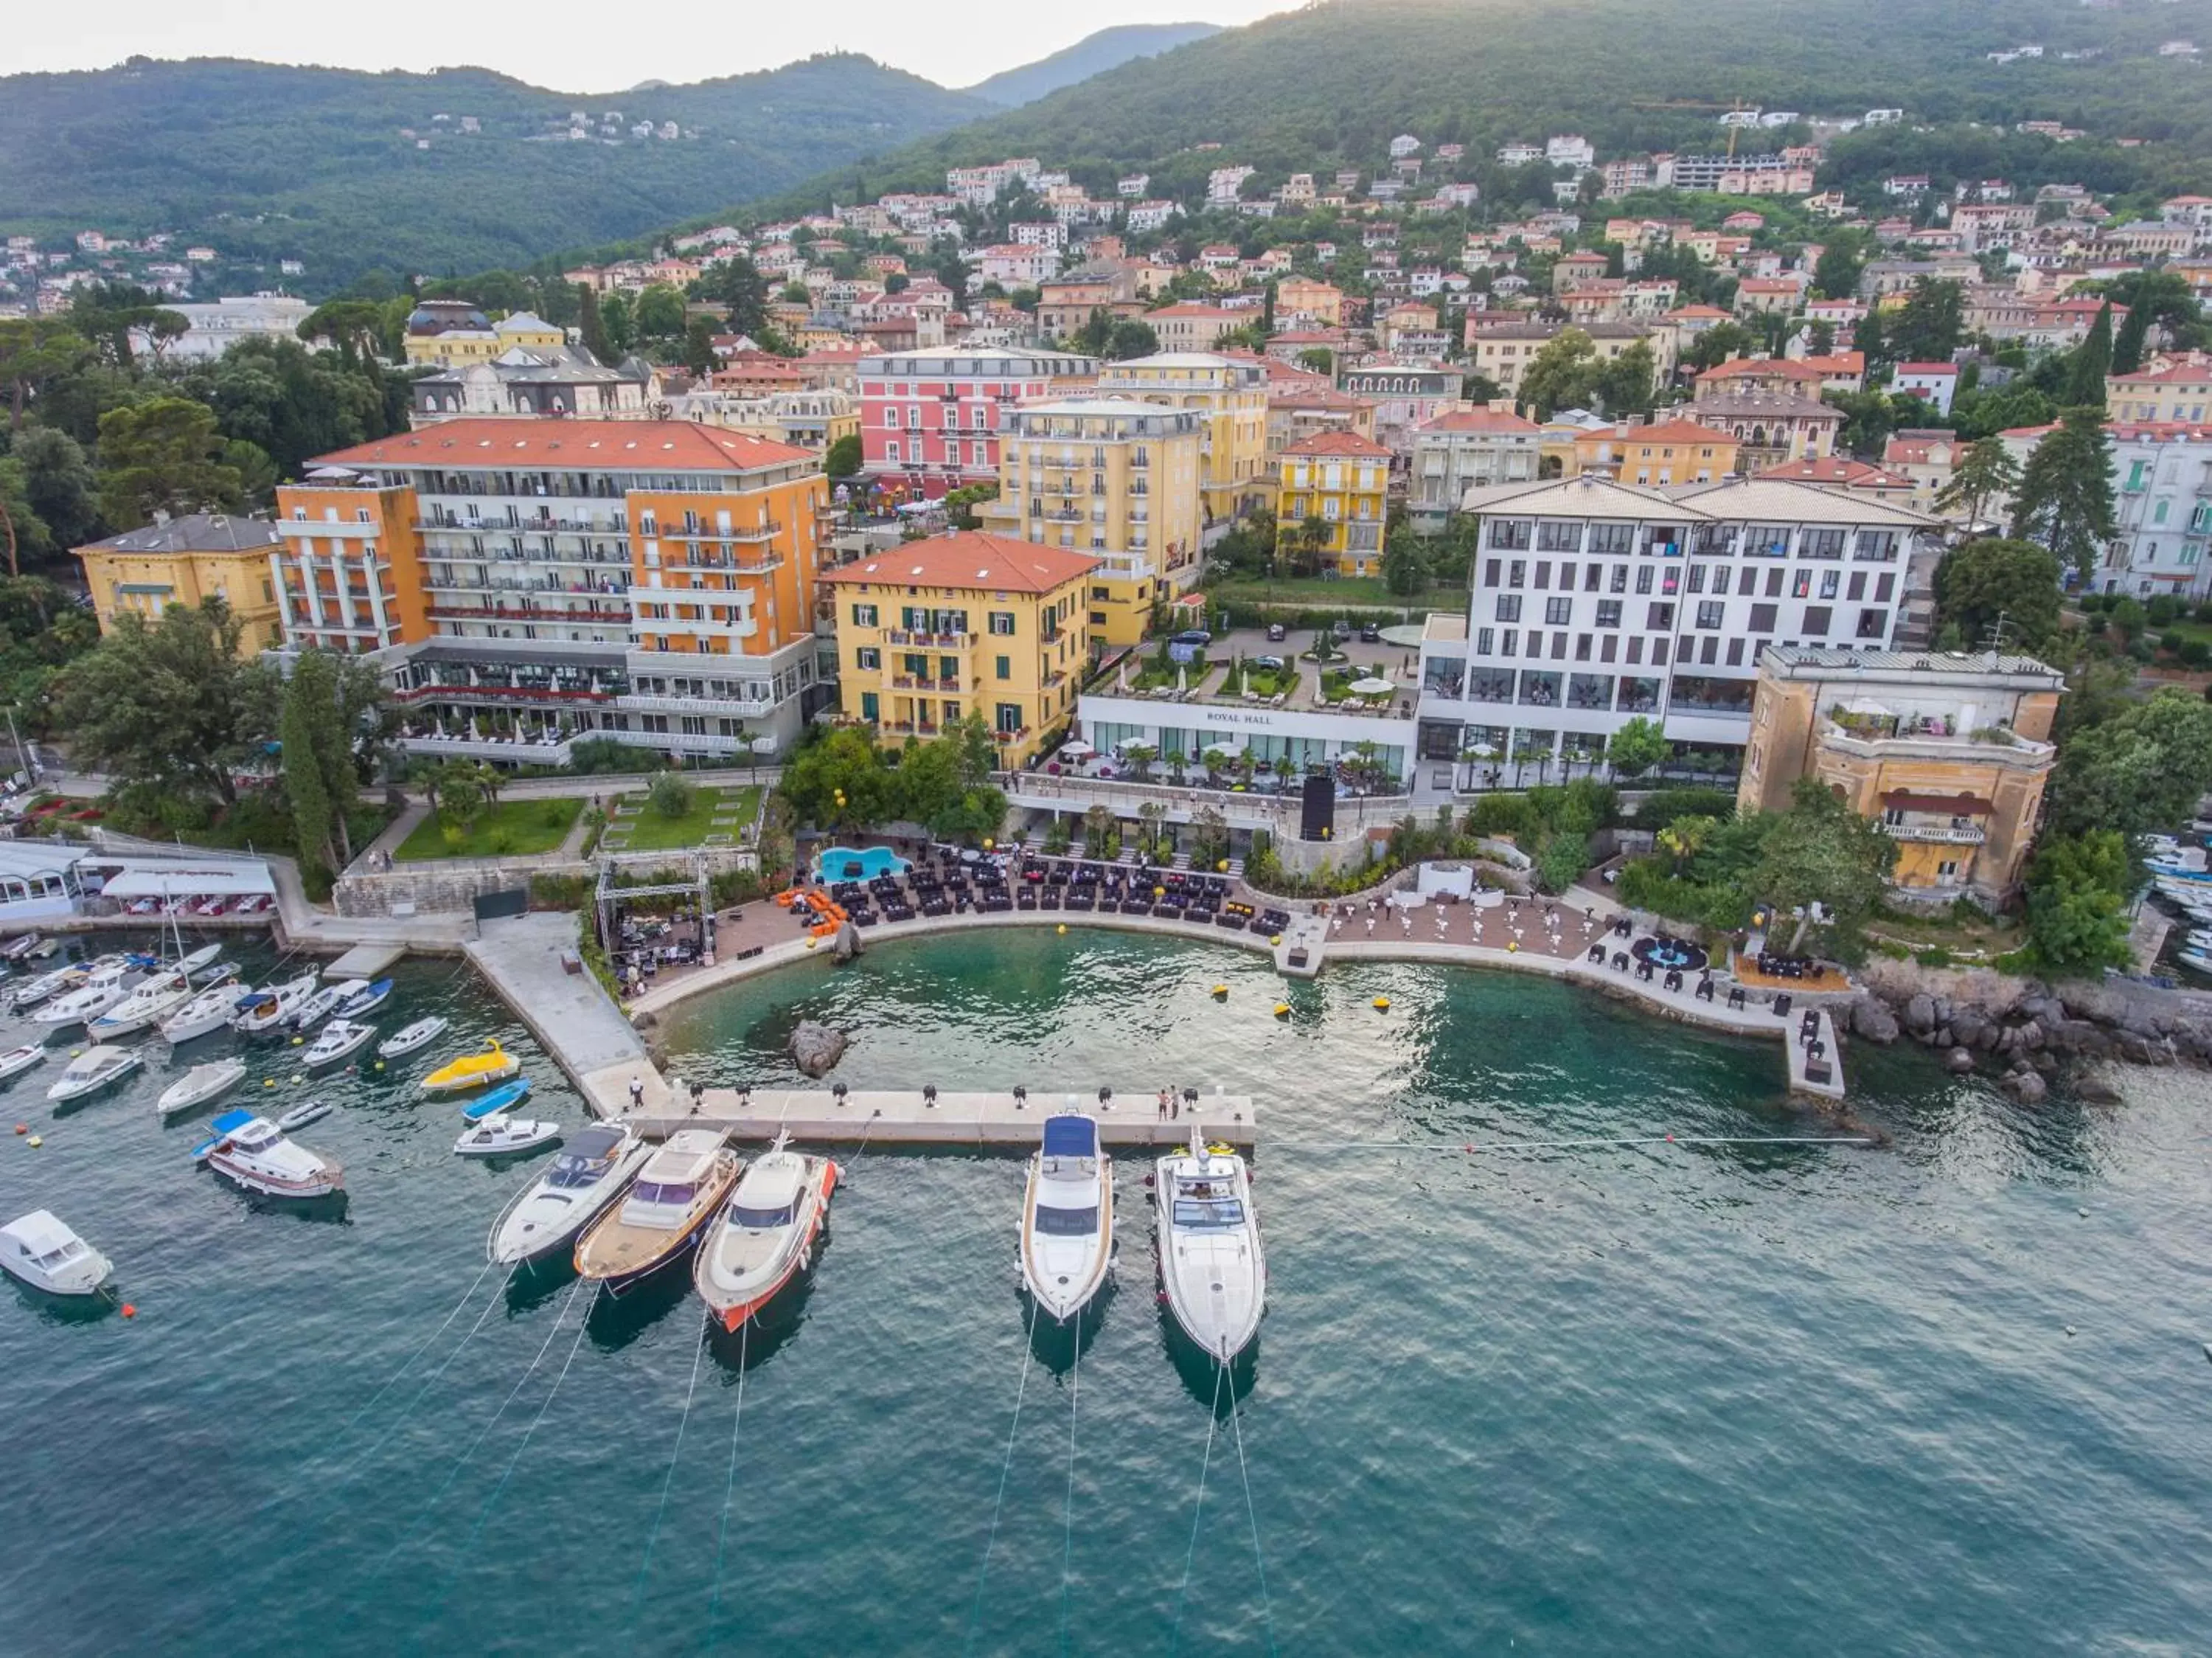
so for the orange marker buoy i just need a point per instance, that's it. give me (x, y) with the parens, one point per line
(22, 1128)
(129, 1311)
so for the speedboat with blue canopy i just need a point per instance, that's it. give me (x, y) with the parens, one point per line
(1068, 1217)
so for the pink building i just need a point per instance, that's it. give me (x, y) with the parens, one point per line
(930, 419)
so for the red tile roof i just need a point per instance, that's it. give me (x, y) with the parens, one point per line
(1478, 420)
(973, 559)
(1667, 432)
(1840, 471)
(1338, 443)
(616, 445)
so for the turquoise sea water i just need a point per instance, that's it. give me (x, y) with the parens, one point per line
(1747, 1400)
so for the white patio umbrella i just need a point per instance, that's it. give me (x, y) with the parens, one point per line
(1370, 686)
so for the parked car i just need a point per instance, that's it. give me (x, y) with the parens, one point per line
(1340, 631)
(1193, 636)
(1277, 633)
(1271, 664)
(1369, 634)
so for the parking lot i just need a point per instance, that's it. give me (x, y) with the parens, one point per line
(1392, 663)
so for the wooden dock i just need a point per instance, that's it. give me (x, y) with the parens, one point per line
(905, 1117)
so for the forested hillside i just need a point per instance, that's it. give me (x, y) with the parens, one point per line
(268, 161)
(1094, 54)
(1332, 82)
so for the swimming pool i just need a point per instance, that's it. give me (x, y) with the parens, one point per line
(844, 863)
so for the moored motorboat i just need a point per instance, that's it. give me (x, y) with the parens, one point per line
(19, 946)
(675, 1195)
(201, 965)
(592, 1171)
(33, 991)
(151, 1001)
(765, 1235)
(420, 1034)
(1212, 1268)
(1068, 1217)
(500, 1135)
(308, 1111)
(16, 1061)
(199, 1085)
(267, 1009)
(253, 1153)
(366, 997)
(92, 1071)
(106, 985)
(323, 1003)
(41, 1251)
(504, 1098)
(340, 1038)
(472, 1071)
(206, 1013)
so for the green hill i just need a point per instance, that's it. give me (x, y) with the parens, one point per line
(1094, 54)
(1332, 83)
(267, 162)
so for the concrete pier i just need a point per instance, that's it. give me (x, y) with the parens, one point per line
(903, 1117)
(527, 960)
(365, 961)
(1826, 1083)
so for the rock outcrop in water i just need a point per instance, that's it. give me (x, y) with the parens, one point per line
(847, 945)
(815, 1049)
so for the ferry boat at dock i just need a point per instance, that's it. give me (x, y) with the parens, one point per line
(766, 1234)
(1068, 1217)
(675, 1194)
(1212, 1268)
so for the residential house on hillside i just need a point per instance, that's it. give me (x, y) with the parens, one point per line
(1465, 449)
(1657, 452)
(1306, 409)
(1189, 327)
(2166, 388)
(930, 420)
(1840, 472)
(1339, 480)
(186, 561)
(2162, 494)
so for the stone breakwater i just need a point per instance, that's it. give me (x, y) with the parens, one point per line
(2023, 1030)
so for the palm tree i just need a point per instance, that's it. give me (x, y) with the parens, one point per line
(1683, 839)
(1285, 767)
(488, 781)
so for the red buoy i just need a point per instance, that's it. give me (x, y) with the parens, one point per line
(22, 1128)
(1670, 1139)
(129, 1311)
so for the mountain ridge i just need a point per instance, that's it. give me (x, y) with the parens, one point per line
(1094, 54)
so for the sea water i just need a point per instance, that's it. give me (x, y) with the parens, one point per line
(1662, 1399)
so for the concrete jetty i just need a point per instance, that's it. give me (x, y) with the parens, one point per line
(532, 961)
(904, 1116)
(365, 961)
(1822, 1078)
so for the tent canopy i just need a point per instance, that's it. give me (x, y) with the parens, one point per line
(189, 879)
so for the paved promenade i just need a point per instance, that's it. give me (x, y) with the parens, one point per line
(1131, 1117)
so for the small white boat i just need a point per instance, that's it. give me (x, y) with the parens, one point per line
(367, 999)
(340, 1038)
(592, 1170)
(31, 991)
(253, 1152)
(311, 1110)
(102, 989)
(197, 964)
(1212, 1268)
(92, 1071)
(45, 1254)
(766, 1233)
(199, 1085)
(323, 1003)
(2197, 961)
(151, 1001)
(1068, 1217)
(19, 946)
(206, 1013)
(267, 1008)
(16, 1061)
(420, 1034)
(498, 1135)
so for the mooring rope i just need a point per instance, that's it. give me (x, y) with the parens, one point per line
(461, 1462)
(419, 1351)
(653, 1536)
(429, 1381)
(1467, 1147)
(1067, 1527)
(1259, 1561)
(983, 1573)
(544, 1405)
(729, 1493)
(1190, 1555)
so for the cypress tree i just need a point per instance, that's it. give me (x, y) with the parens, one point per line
(2091, 362)
(303, 781)
(588, 327)
(2128, 344)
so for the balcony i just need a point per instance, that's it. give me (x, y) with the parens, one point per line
(479, 612)
(1949, 834)
(741, 708)
(503, 694)
(935, 641)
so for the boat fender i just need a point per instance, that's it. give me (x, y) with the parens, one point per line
(1062, 928)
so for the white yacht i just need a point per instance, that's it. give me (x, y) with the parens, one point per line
(592, 1170)
(1068, 1217)
(92, 1071)
(502, 1136)
(765, 1235)
(366, 997)
(664, 1211)
(253, 1152)
(43, 1252)
(267, 1008)
(340, 1038)
(199, 1085)
(420, 1034)
(107, 984)
(205, 1014)
(325, 1002)
(1211, 1266)
(151, 1000)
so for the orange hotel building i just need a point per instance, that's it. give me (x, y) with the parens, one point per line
(530, 582)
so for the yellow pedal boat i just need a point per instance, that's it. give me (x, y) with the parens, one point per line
(472, 1071)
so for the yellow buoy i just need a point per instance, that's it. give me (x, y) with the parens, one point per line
(379, 1064)
(1282, 1010)
(1220, 992)
(1382, 1005)
(1275, 939)
(1061, 927)
(299, 1076)
(35, 1141)
(74, 1052)
(268, 1082)
(812, 942)
(297, 1041)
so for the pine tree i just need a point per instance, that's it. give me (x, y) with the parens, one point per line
(2065, 499)
(1867, 336)
(2092, 360)
(1983, 473)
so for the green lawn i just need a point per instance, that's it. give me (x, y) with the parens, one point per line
(649, 832)
(514, 827)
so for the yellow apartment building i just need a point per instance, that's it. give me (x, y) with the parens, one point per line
(932, 631)
(649, 581)
(1338, 480)
(1114, 478)
(2177, 387)
(454, 333)
(186, 561)
(1950, 751)
(1230, 395)
(1664, 452)
(1298, 411)
(1303, 297)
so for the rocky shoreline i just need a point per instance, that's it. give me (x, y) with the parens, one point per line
(2023, 1030)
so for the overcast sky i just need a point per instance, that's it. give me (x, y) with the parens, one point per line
(577, 48)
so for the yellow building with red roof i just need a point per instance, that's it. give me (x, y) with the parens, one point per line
(1664, 452)
(1335, 480)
